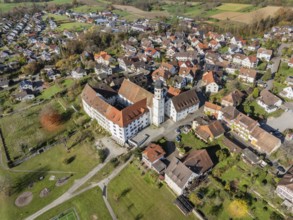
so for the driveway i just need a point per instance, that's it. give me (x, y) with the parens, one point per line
(283, 122)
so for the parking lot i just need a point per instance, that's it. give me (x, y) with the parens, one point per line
(283, 122)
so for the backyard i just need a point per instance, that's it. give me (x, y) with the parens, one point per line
(132, 197)
(235, 178)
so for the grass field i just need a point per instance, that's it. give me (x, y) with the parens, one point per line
(51, 160)
(88, 205)
(248, 17)
(141, 200)
(67, 215)
(89, 8)
(51, 91)
(232, 7)
(24, 129)
(5, 7)
(190, 140)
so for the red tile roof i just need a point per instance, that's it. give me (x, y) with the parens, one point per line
(153, 152)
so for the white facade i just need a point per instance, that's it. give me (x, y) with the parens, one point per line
(158, 107)
(120, 134)
(285, 193)
(287, 92)
(264, 56)
(77, 75)
(246, 79)
(178, 190)
(269, 109)
(212, 88)
(171, 112)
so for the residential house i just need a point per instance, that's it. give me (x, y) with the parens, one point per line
(178, 107)
(250, 157)
(250, 62)
(153, 53)
(26, 84)
(78, 73)
(234, 98)
(289, 81)
(198, 161)
(247, 75)
(178, 176)
(215, 45)
(254, 45)
(249, 130)
(178, 82)
(285, 189)
(103, 58)
(269, 101)
(290, 62)
(125, 63)
(188, 73)
(186, 56)
(24, 95)
(287, 92)
(264, 54)
(161, 74)
(101, 69)
(4, 83)
(152, 156)
(238, 41)
(209, 132)
(211, 109)
(169, 67)
(210, 83)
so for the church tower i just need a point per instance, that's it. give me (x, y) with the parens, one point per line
(158, 104)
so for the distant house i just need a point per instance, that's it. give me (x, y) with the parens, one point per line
(285, 189)
(4, 83)
(269, 101)
(234, 98)
(253, 46)
(151, 52)
(290, 63)
(264, 54)
(289, 81)
(103, 58)
(152, 156)
(78, 73)
(210, 82)
(287, 92)
(24, 95)
(178, 107)
(161, 74)
(178, 82)
(26, 84)
(178, 176)
(211, 109)
(247, 75)
(103, 69)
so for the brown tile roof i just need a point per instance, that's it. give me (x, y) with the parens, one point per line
(287, 180)
(234, 97)
(160, 72)
(233, 147)
(104, 55)
(188, 70)
(153, 152)
(265, 141)
(135, 93)
(121, 118)
(212, 106)
(208, 77)
(268, 98)
(246, 121)
(173, 91)
(247, 72)
(198, 161)
(213, 129)
(252, 59)
(230, 112)
(178, 172)
(264, 51)
(185, 100)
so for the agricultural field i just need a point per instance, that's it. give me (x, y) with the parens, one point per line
(232, 7)
(88, 205)
(140, 13)
(248, 17)
(139, 199)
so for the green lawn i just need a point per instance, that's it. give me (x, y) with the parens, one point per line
(54, 89)
(190, 140)
(24, 128)
(52, 160)
(241, 174)
(76, 26)
(89, 8)
(88, 205)
(141, 200)
(258, 111)
(233, 7)
(6, 7)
